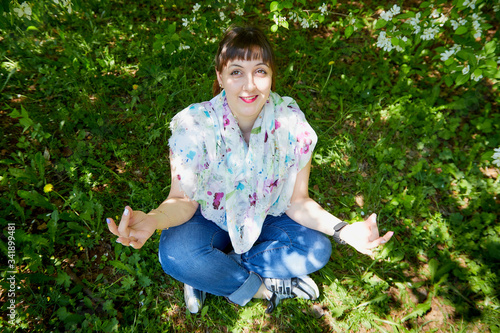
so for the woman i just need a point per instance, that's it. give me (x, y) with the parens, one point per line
(238, 221)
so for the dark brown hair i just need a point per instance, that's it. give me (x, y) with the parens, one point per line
(243, 43)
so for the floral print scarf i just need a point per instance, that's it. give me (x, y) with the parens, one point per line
(238, 184)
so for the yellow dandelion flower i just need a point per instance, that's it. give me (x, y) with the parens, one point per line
(135, 87)
(331, 62)
(48, 188)
(48, 299)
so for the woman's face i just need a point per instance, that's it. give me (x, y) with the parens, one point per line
(247, 84)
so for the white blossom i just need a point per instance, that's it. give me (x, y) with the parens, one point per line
(496, 157)
(446, 55)
(456, 24)
(279, 20)
(456, 48)
(470, 3)
(222, 16)
(476, 78)
(441, 20)
(239, 11)
(435, 13)
(430, 33)
(386, 15)
(415, 23)
(304, 23)
(395, 10)
(185, 22)
(465, 70)
(384, 42)
(323, 9)
(184, 47)
(196, 7)
(23, 10)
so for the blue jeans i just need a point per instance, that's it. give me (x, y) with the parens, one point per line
(195, 253)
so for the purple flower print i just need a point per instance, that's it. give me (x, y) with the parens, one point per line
(304, 137)
(226, 121)
(253, 199)
(217, 198)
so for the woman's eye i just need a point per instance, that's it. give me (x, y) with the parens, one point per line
(261, 71)
(235, 72)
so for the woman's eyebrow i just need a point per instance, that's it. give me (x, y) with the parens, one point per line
(259, 64)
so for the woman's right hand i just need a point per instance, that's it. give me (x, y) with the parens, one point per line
(134, 229)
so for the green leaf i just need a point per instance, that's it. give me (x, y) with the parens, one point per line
(461, 30)
(128, 282)
(274, 6)
(63, 279)
(348, 31)
(122, 266)
(274, 28)
(395, 41)
(144, 281)
(461, 79)
(490, 47)
(33, 198)
(419, 311)
(380, 23)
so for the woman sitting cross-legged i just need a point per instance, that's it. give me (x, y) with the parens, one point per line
(238, 221)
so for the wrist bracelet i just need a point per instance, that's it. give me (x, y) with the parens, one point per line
(336, 232)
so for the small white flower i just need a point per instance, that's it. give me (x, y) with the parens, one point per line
(323, 9)
(222, 16)
(465, 70)
(441, 20)
(196, 7)
(239, 11)
(185, 22)
(496, 157)
(470, 3)
(304, 23)
(395, 10)
(476, 78)
(384, 42)
(386, 15)
(446, 55)
(184, 47)
(24, 10)
(415, 23)
(435, 13)
(456, 48)
(456, 24)
(430, 33)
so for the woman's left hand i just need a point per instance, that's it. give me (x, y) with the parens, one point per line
(364, 236)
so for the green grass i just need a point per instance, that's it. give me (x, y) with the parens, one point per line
(86, 99)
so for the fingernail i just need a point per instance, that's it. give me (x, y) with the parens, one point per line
(383, 241)
(108, 221)
(125, 212)
(118, 241)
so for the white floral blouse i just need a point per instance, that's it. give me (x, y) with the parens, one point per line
(238, 184)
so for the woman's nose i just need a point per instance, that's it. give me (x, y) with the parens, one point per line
(249, 84)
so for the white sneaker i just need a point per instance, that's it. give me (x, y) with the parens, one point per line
(302, 287)
(194, 298)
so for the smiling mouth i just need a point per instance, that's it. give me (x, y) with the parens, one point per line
(249, 99)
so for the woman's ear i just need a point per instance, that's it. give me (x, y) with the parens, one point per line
(219, 77)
